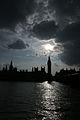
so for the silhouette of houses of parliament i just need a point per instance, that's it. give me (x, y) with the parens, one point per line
(65, 76)
(11, 68)
(13, 74)
(70, 77)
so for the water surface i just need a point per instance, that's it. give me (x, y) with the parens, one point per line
(38, 101)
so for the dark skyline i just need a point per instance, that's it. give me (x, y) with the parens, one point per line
(31, 30)
(11, 68)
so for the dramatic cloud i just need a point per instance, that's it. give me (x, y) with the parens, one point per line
(70, 38)
(45, 30)
(34, 23)
(19, 44)
(70, 33)
(65, 9)
(15, 11)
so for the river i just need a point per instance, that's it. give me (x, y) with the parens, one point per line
(38, 101)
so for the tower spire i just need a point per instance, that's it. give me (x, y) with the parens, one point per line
(11, 66)
(49, 65)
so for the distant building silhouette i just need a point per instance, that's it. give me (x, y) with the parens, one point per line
(3, 69)
(43, 69)
(6, 68)
(12, 74)
(67, 76)
(32, 69)
(49, 65)
(36, 69)
(11, 66)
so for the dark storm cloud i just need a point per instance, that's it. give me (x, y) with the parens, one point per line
(19, 44)
(65, 9)
(14, 11)
(42, 24)
(70, 38)
(67, 13)
(71, 54)
(70, 33)
(45, 30)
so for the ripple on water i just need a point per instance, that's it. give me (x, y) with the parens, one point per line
(38, 101)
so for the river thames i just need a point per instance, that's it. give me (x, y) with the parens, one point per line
(38, 101)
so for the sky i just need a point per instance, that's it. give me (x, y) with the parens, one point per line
(31, 30)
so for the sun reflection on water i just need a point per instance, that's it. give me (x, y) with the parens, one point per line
(48, 104)
(54, 103)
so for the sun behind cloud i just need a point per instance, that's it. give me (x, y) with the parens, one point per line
(48, 47)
